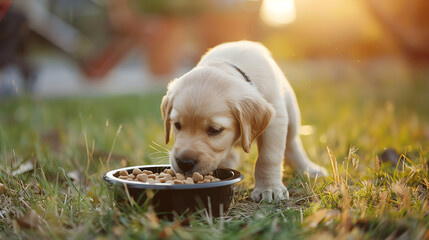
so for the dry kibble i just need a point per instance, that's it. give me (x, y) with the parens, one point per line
(180, 176)
(171, 172)
(142, 177)
(197, 177)
(189, 180)
(136, 171)
(209, 177)
(168, 176)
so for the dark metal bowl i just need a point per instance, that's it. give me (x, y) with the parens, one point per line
(179, 198)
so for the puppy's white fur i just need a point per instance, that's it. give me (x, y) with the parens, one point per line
(212, 108)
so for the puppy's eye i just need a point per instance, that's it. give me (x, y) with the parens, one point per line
(177, 125)
(214, 131)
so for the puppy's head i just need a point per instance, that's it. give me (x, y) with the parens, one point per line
(210, 113)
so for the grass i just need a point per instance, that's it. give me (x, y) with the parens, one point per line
(68, 144)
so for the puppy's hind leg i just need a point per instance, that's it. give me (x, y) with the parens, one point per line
(297, 158)
(295, 154)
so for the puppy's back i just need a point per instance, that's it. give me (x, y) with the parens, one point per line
(241, 53)
(256, 61)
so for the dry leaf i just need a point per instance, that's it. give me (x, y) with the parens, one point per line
(325, 235)
(332, 214)
(2, 188)
(152, 217)
(53, 139)
(29, 221)
(166, 232)
(118, 230)
(426, 237)
(390, 155)
(94, 199)
(314, 220)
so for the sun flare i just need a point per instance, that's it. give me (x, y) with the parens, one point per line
(278, 12)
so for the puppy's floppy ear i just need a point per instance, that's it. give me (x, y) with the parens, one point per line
(253, 115)
(166, 107)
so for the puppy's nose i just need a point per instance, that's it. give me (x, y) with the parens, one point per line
(185, 164)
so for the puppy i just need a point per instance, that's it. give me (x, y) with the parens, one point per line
(236, 94)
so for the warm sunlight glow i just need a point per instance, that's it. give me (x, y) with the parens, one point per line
(306, 130)
(278, 12)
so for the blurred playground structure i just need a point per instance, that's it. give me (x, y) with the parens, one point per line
(85, 45)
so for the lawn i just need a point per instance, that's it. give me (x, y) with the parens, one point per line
(54, 153)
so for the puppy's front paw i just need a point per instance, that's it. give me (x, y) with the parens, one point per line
(270, 194)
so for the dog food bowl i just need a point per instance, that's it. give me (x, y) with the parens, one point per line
(179, 198)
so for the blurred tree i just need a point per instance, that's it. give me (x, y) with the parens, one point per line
(408, 21)
(13, 46)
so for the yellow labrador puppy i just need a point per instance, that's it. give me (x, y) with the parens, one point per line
(236, 94)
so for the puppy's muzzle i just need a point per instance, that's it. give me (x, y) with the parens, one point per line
(186, 164)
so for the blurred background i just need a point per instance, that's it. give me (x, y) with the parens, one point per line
(56, 48)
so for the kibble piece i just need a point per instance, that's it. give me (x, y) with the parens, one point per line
(216, 180)
(147, 172)
(153, 176)
(123, 173)
(180, 176)
(136, 171)
(177, 181)
(123, 177)
(161, 175)
(168, 177)
(206, 181)
(142, 177)
(209, 177)
(200, 182)
(197, 177)
(130, 179)
(171, 172)
(150, 180)
(189, 180)
(131, 176)
(157, 181)
(165, 170)
(170, 181)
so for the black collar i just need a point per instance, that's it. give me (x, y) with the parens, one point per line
(241, 72)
